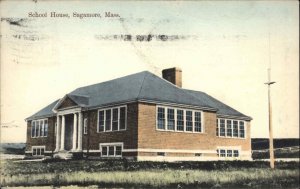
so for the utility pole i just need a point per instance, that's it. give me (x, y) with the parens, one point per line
(269, 83)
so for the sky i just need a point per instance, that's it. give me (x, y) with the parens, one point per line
(224, 48)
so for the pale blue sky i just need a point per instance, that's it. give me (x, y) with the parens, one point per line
(227, 57)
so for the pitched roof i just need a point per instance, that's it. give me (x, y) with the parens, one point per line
(45, 112)
(140, 86)
(223, 109)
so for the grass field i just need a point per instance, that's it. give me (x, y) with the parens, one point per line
(237, 174)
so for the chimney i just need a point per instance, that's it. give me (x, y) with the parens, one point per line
(173, 75)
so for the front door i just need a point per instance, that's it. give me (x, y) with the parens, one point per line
(69, 120)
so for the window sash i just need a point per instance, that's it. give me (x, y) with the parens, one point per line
(115, 119)
(38, 151)
(231, 153)
(180, 120)
(189, 120)
(108, 120)
(101, 116)
(39, 128)
(241, 129)
(198, 122)
(122, 118)
(173, 119)
(222, 127)
(231, 128)
(45, 128)
(111, 150)
(112, 119)
(85, 126)
(235, 129)
(161, 118)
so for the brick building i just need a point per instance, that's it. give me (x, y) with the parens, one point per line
(140, 117)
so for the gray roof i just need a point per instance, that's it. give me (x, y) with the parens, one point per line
(223, 109)
(45, 112)
(140, 86)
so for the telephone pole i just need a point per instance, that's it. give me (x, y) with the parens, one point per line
(269, 83)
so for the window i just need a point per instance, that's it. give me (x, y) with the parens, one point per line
(235, 129)
(242, 129)
(228, 153)
(113, 119)
(38, 150)
(111, 150)
(122, 118)
(171, 119)
(118, 150)
(189, 121)
(161, 153)
(108, 120)
(101, 121)
(34, 152)
(222, 127)
(39, 128)
(85, 124)
(235, 153)
(32, 128)
(218, 127)
(161, 118)
(198, 122)
(180, 120)
(198, 154)
(46, 128)
(229, 128)
(222, 153)
(104, 151)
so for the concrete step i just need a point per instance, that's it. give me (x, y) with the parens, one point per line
(63, 155)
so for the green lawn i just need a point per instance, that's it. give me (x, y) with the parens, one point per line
(150, 174)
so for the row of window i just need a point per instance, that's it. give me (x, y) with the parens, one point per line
(228, 153)
(39, 128)
(111, 151)
(172, 119)
(113, 119)
(230, 128)
(38, 151)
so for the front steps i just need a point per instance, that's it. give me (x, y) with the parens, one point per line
(63, 155)
(68, 155)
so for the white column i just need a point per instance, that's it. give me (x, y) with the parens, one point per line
(57, 134)
(80, 132)
(62, 142)
(74, 132)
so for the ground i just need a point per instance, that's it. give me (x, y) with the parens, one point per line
(121, 173)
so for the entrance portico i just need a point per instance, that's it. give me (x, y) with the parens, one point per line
(69, 130)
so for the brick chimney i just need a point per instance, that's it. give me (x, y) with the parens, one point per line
(173, 75)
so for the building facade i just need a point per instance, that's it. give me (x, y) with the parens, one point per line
(141, 117)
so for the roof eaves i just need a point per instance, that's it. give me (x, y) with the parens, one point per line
(178, 104)
(39, 117)
(248, 118)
